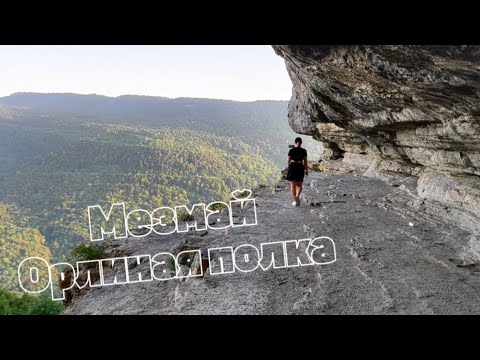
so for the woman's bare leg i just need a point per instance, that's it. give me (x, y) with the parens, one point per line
(299, 188)
(293, 189)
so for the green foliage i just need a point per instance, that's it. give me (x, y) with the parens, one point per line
(44, 305)
(26, 304)
(171, 265)
(17, 242)
(88, 252)
(217, 206)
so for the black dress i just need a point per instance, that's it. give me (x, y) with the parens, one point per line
(296, 170)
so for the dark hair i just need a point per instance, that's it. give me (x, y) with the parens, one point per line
(298, 140)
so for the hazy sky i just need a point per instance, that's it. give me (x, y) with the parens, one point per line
(237, 72)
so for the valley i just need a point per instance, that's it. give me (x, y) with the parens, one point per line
(61, 153)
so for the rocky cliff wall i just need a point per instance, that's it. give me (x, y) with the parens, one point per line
(410, 109)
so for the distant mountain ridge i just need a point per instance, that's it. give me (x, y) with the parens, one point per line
(120, 104)
(220, 116)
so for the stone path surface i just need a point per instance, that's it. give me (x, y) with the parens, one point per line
(384, 265)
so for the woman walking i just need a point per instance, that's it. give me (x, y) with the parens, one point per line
(297, 169)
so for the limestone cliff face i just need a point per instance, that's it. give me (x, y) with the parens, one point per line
(411, 109)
